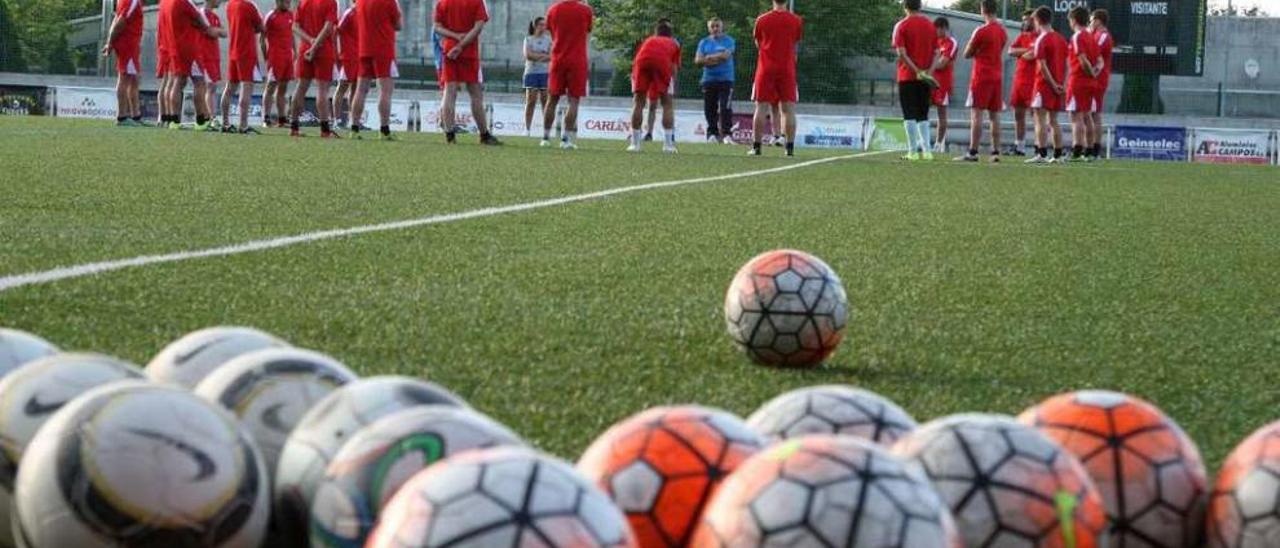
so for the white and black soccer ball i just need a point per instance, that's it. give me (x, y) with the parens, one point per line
(504, 496)
(1244, 511)
(832, 409)
(270, 390)
(322, 432)
(824, 491)
(30, 394)
(19, 347)
(1007, 484)
(138, 464)
(186, 361)
(382, 456)
(786, 308)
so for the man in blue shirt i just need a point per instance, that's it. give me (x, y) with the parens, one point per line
(715, 54)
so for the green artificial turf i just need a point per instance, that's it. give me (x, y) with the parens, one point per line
(973, 287)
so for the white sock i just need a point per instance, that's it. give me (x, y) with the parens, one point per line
(570, 136)
(637, 137)
(910, 126)
(671, 137)
(926, 133)
(1019, 143)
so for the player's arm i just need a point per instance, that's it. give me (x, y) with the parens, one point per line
(1048, 76)
(442, 31)
(466, 40)
(1087, 65)
(906, 60)
(116, 23)
(1019, 53)
(302, 35)
(940, 60)
(971, 48)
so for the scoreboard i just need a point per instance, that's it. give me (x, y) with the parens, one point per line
(1152, 36)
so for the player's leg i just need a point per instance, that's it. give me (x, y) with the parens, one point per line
(386, 87)
(775, 113)
(1019, 129)
(246, 102)
(357, 104)
(724, 101)
(176, 90)
(668, 123)
(757, 127)
(1096, 138)
(549, 117)
(710, 110)
(225, 106)
(282, 103)
(788, 109)
(325, 108)
(448, 108)
(295, 110)
(200, 92)
(122, 100)
(476, 91)
(340, 100)
(530, 105)
(995, 135)
(1077, 133)
(135, 98)
(940, 142)
(1038, 136)
(268, 100)
(638, 104)
(975, 134)
(1087, 149)
(1056, 130)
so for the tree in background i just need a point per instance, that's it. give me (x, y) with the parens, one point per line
(42, 27)
(968, 6)
(836, 31)
(11, 59)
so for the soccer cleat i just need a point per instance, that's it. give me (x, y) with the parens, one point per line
(389, 137)
(546, 143)
(965, 158)
(927, 156)
(648, 137)
(712, 139)
(912, 156)
(753, 151)
(566, 145)
(249, 131)
(174, 126)
(669, 149)
(330, 135)
(1015, 151)
(633, 147)
(995, 158)
(490, 141)
(1038, 159)
(229, 129)
(296, 133)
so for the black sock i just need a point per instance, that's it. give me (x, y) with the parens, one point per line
(294, 124)
(755, 146)
(282, 120)
(355, 128)
(1097, 150)
(120, 118)
(324, 126)
(201, 119)
(1042, 152)
(137, 118)
(791, 147)
(484, 136)
(1077, 151)
(1057, 153)
(451, 136)
(973, 152)
(386, 130)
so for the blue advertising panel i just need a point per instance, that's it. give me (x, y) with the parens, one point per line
(1150, 143)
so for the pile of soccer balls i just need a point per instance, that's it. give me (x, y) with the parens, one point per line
(230, 437)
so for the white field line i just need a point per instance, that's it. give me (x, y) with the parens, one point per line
(89, 269)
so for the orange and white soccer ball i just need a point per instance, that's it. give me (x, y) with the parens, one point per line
(1149, 472)
(786, 308)
(663, 465)
(826, 490)
(1244, 511)
(1007, 484)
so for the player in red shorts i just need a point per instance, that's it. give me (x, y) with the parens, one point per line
(210, 64)
(125, 39)
(986, 83)
(570, 23)
(277, 41)
(184, 31)
(314, 25)
(1050, 53)
(1082, 83)
(162, 71)
(776, 34)
(378, 22)
(1098, 24)
(1024, 80)
(651, 76)
(944, 74)
(244, 23)
(348, 64)
(459, 23)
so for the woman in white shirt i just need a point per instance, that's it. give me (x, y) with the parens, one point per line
(537, 58)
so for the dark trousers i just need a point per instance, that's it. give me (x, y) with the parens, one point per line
(915, 99)
(717, 102)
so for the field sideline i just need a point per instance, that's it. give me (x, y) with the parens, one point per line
(974, 288)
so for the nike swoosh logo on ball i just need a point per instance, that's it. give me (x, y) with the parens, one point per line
(35, 407)
(205, 467)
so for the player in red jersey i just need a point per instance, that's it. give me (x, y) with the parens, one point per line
(244, 23)
(184, 32)
(1050, 53)
(378, 22)
(348, 64)
(460, 23)
(1098, 24)
(277, 41)
(915, 40)
(162, 70)
(570, 23)
(314, 26)
(1082, 83)
(944, 74)
(211, 64)
(1024, 80)
(125, 39)
(651, 76)
(777, 33)
(986, 83)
